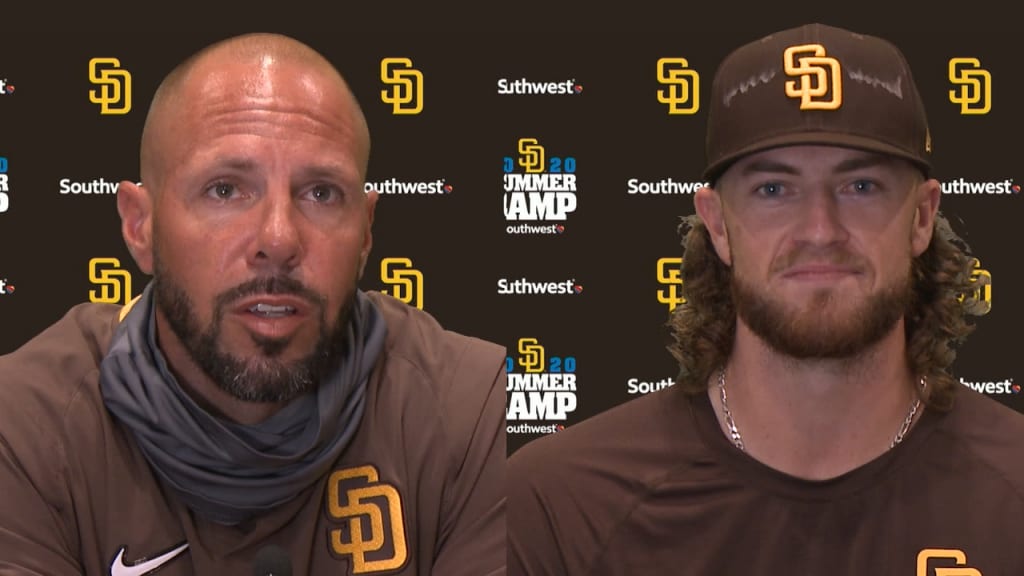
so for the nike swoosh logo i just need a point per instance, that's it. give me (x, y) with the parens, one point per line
(119, 568)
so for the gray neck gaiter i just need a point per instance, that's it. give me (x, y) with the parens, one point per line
(223, 471)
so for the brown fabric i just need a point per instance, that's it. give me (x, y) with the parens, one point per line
(870, 103)
(74, 488)
(654, 487)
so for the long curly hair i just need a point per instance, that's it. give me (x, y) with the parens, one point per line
(944, 295)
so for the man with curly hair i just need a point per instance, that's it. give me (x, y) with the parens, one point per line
(815, 427)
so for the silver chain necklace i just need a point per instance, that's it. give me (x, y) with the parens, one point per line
(737, 439)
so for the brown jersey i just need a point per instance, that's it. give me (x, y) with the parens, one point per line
(653, 487)
(419, 490)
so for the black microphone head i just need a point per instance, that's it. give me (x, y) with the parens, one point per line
(272, 560)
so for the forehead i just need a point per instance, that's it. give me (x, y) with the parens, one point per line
(220, 85)
(815, 161)
(266, 96)
(258, 76)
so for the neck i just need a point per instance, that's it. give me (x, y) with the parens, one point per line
(200, 387)
(816, 419)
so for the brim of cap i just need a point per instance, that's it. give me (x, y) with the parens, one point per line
(713, 171)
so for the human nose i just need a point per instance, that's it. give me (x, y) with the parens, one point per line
(821, 220)
(277, 242)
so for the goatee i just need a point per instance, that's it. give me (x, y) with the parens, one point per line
(820, 327)
(263, 377)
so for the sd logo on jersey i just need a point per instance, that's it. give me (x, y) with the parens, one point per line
(371, 525)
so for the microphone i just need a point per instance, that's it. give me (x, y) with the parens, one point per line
(272, 560)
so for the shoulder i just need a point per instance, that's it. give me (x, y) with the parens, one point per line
(630, 433)
(445, 358)
(989, 435)
(423, 364)
(569, 491)
(52, 405)
(48, 370)
(611, 458)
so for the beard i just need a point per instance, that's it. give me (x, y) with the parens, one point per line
(820, 329)
(263, 377)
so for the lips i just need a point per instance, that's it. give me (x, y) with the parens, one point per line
(272, 306)
(814, 271)
(272, 316)
(271, 311)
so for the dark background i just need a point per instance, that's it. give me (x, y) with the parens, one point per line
(615, 129)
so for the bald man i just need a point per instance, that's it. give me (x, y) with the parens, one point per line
(253, 410)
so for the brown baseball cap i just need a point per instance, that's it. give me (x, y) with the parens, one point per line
(815, 84)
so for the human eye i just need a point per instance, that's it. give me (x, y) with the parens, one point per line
(770, 190)
(863, 186)
(221, 190)
(324, 194)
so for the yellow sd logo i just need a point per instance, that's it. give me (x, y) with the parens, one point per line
(957, 556)
(975, 86)
(115, 284)
(531, 155)
(670, 275)
(531, 355)
(406, 92)
(980, 300)
(682, 86)
(373, 533)
(407, 281)
(818, 74)
(114, 94)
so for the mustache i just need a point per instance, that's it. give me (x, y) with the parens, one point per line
(270, 285)
(817, 255)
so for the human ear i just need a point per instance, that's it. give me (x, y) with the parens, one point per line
(927, 206)
(135, 206)
(708, 203)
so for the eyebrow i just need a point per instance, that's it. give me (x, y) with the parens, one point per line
(326, 171)
(861, 162)
(848, 165)
(320, 171)
(236, 164)
(770, 166)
